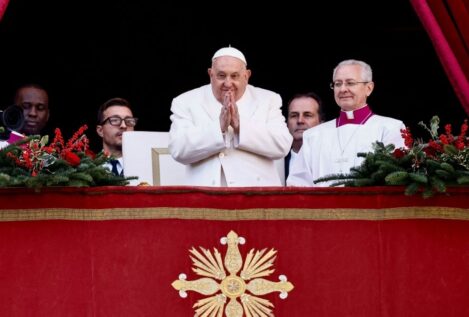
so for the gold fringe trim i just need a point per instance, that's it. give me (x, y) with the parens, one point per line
(234, 215)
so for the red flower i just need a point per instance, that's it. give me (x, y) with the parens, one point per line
(90, 153)
(407, 136)
(429, 151)
(461, 141)
(449, 135)
(71, 158)
(398, 153)
(445, 139)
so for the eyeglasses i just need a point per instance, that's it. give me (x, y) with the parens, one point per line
(348, 84)
(117, 121)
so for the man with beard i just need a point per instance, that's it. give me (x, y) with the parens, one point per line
(114, 118)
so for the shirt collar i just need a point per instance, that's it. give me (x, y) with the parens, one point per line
(358, 116)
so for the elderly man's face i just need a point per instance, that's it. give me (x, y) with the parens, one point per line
(354, 91)
(228, 74)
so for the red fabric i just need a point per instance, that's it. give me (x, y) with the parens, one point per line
(453, 18)
(3, 7)
(339, 267)
(447, 24)
(227, 198)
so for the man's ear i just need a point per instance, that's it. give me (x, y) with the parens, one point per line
(99, 130)
(369, 88)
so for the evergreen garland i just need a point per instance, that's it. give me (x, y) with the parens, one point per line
(32, 163)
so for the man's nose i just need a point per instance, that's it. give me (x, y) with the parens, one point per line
(228, 81)
(32, 111)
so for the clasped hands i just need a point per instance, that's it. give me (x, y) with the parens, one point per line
(229, 115)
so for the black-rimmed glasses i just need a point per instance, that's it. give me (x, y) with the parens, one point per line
(348, 84)
(117, 121)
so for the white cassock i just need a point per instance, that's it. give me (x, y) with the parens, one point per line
(216, 159)
(328, 150)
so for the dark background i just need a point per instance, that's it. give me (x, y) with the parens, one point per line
(85, 52)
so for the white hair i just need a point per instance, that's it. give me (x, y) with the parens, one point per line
(367, 74)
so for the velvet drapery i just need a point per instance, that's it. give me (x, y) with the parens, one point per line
(447, 24)
(115, 251)
(3, 7)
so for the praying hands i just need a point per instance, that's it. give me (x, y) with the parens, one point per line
(229, 114)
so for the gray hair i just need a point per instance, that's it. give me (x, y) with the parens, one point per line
(367, 74)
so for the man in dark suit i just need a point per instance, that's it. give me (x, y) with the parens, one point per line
(304, 111)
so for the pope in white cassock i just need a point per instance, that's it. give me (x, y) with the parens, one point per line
(229, 133)
(332, 147)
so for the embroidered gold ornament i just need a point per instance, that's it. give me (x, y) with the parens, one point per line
(239, 290)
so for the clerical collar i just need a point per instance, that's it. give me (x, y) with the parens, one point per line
(359, 116)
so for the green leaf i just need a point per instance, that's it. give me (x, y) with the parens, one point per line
(363, 182)
(447, 167)
(450, 149)
(419, 178)
(388, 166)
(412, 188)
(432, 164)
(379, 175)
(438, 184)
(44, 140)
(443, 174)
(427, 193)
(435, 125)
(57, 180)
(396, 178)
(78, 183)
(81, 176)
(463, 180)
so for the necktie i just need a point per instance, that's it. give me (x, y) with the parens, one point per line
(114, 167)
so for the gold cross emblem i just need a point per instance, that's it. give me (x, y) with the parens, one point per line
(240, 290)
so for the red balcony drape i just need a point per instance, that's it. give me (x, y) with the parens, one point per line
(115, 251)
(3, 7)
(447, 24)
